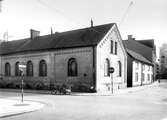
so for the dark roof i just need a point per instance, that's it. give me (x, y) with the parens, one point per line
(138, 56)
(139, 48)
(148, 43)
(76, 38)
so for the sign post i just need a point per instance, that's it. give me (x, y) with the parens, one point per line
(110, 71)
(22, 68)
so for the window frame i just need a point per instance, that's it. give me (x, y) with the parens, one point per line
(7, 69)
(29, 69)
(106, 67)
(72, 72)
(42, 68)
(17, 70)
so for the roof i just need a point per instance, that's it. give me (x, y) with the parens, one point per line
(148, 43)
(139, 48)
(76, 38)
(138, 56)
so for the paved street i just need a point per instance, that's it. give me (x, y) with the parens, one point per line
(147, 104)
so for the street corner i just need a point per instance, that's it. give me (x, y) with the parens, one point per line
(15, 107)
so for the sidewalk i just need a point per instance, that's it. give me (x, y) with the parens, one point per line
(11, 107)
(120, 91)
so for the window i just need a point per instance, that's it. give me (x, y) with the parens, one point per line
(116, 48)
(143, 67)
(142, 76)
(106, 67)
(7, 69)
(136, 77)
(120, 68)
(137, 65)
(72, 67)
(111, 46)
(17, 71)
(148, 76)
(29, 68)
(42, 68)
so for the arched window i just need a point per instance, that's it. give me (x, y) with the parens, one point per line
(7, 69)
(17, 71)
(72, 67)
(29, 69)
(42, 68)
(120, 69)
(106, 67)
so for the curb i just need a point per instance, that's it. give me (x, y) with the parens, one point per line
(13, 111)
(125, 90)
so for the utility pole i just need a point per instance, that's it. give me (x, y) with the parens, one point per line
(126, 12)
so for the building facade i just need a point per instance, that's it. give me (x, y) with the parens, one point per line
(140, 68)
(78, 58)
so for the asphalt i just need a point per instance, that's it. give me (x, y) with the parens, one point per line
(11, 107)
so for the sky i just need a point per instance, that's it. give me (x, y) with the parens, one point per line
(144, 19)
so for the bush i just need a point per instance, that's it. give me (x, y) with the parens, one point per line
(10, 85)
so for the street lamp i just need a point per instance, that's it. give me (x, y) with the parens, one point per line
(22, 68)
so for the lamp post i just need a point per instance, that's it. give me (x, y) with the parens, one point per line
(22, 68)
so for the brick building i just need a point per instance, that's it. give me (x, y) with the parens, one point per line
(79, 58)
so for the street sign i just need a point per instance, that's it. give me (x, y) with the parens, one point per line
(22, 68)
(111, 70)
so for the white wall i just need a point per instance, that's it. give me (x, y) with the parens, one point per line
(103, 52)
(140, 70)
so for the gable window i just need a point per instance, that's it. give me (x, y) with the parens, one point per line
(120, 68)
(7, 69)
(116, 48)
(72, 67)
(17, 71)
(111, 46)
(42, 68)
(29, 69)
(106, 67)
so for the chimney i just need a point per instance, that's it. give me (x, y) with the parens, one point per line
(130, 37)
(34, 33)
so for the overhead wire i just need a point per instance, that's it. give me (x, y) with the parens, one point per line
(53, 9)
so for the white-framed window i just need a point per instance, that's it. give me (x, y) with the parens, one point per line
(119, 69)
(136, 77)
(143, 67)
(137, 65)
(148, 77)
(142, 76)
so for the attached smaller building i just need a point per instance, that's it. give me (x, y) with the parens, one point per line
(139, 68)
